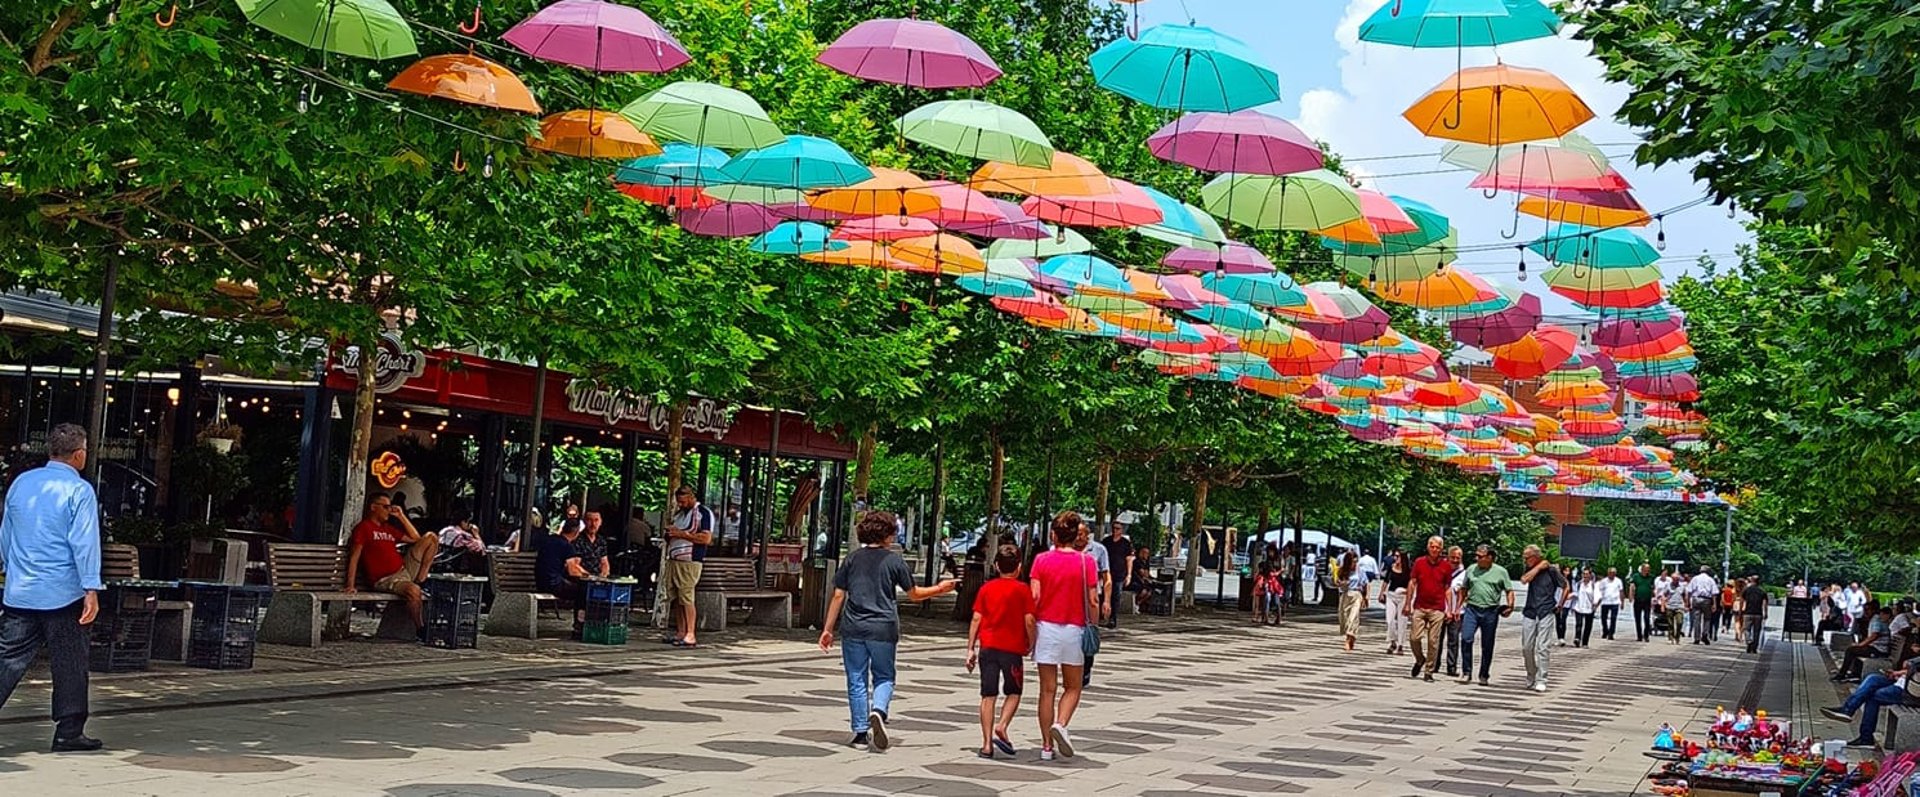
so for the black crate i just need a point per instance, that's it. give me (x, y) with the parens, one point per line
(452, 611)
(226, 624)
(121, 637)
(1160, 598)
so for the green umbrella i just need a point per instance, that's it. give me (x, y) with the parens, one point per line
(979, 130)
(755, 194)
(362, 28)
(1403, 266)
(1062, 242)
(1313, 200)
(703, 114)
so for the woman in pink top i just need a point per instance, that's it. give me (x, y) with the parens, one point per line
(1064, 582)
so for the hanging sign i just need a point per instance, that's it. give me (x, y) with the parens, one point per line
(388, 470)
(614, 406)
(393, 363)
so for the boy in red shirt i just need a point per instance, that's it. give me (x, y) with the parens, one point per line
(1002, 632)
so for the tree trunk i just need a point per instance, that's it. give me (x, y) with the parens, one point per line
(996, 484)
(940, 493)
(676, 447)
(102, 349)
(863, 460)
(529, 495)
(1105, 473)
(359, 449)
(1260, 537)
(1193, 540)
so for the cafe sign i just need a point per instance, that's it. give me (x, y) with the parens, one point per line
(388, 470)
(393, 363)
(615, 406)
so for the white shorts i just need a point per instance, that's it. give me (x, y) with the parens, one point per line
(1059, 644)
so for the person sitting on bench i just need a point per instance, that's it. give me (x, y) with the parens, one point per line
(376, 543)
(1875, 646)
(558, 572)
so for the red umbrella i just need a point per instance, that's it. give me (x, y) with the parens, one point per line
(1500, 328)
(1419, 356)
(1125, 206)
(1324, 355)
(1664, 387)
(1643, 348)
(1545, 348)
(960, 205)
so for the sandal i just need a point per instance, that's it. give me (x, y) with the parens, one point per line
(685, 645)
(986, 754)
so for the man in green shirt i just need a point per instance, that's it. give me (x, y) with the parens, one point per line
(1488, 594)
(1640, 591)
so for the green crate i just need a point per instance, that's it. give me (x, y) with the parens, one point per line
(608, 634)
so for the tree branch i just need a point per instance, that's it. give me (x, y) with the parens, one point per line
(43, 49)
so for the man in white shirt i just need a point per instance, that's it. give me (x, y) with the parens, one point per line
(1702, 593)
(1854, 599)
(1611, 590)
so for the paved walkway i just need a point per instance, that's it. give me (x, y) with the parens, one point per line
(1195, 707)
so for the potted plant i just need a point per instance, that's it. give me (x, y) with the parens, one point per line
(220, 435)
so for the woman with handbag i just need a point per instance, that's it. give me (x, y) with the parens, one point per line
(1064, 584)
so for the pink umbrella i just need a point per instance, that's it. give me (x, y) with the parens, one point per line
(1665, 387)
(1247, 142)
(1231, 258)
(1501, 328)
(960, 205)
(1369, 324)
(600, 36)
(885, 228)
(1188, 293)
(727, 220)
(1014, 223)
(1610, 180)
(910, 52)
(1621, 334)
(802, 211)
(1125, 206)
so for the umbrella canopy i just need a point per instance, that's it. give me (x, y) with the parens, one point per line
(1229, 315)
(1061, 241)
(1458, 23)
(1416, 264)
(593, 134)
(680, 166)
(727, 220)
(1574, 164)
(1233, 258)
(1407, 358)
(1126, 205)
(889, 192)
(1010, 220)
(1607, 287)
(703, 114)
(1379, 216)
(599, 36)
(1246, 142)
(1066, 175)
(1186, 68)
(910, 52)
(1621, 334)
(1185, 292)
(979, 130)
(1500, 328)
(796, 238)
(884, 228)
(1085, 272)
(1313, 200)
(1358, 319)
(1430, 227)
(856, 253)
(360, 28)
(942, 253)
(1673, 362)
(1442, 289)
(957, 204)
(466, 78)
(1499, 105)
(1181, 224)
(1534, 354)
(1604, 248)
(1665, 387)
(1585, 208)
(1271, 289)
(802, 162)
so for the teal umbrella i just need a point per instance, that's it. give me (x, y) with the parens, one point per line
(1433, 227)
(1272, 289)
(1232, 316)
(1186, 68)
(362, 28)
(676, 165)
(802, 162)
(1459, 23)
(797, 238)
(1181, 224)
(1086, 271)
(1610, 248)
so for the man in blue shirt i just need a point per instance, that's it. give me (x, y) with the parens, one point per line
(50, 547)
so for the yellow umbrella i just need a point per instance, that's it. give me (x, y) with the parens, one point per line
(1148, 320)
(1499, 104)
(946, 254)
(856, 253)
(1070, 175)
(593, 134)
(1450, 287)
(890, 192)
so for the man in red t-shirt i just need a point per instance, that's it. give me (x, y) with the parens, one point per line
(1002, 632)
(376, 542)
(1427, 602)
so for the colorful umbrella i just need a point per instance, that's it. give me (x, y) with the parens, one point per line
(1665, 387)
(1060, 241)
(1594, 288)
(1501, 328)
(1546, 167)
(1379, 216)
(1233, 258)
(1623, 334)
(942, 253)
(889, 192)
(1401, 266)
(703, 114)
(1585, 208)
(593, 134)
(1409, 357)
(1185, 292)
(1246, 142)
(1271, 289)
(1442, 289)
(1084, 272)
(1538, 352)
(978, 130)
(796, 238)
(727, 220)
(1010, 220)
(1430, 228)
(802, 162)
(1605, 248)
(466, 78)
(1314, 200)
(884, 228)
(679, 170)
(1066, 175)
(1126, 205)
(1185, 68)
(1181, 224)
(1007, 278)
(1677, 361)
(1231, 315)
(1358, 319)
(956, 204)
(360, 28)
(1499, 105)
(1458, 23)
(910, 52)
(598, 36)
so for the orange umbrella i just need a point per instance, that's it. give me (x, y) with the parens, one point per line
(679, 197)
(593, 134)
(1567, 211)
(942, 253)
(1148, 320)
(1070, 175)
(1545, 348)
(890, 192)
(1146, 287)
(1448, 287)
(1499, 104)
(1378, 216)
(1323, 356)
(1444, 395)
(858, 253)
(466, 78)
(1075, 321)
(1277, 388)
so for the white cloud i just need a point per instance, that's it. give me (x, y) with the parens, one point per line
(1360, 118)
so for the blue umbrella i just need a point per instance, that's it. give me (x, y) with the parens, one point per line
(1186, 68)
(800, 162)
(1459, 23)
(1180, 222)
(797, 238)
(1273, 289)
(677, 164)
(1610, 248)
(995, 285)
(1086, 271)
(1232, 316)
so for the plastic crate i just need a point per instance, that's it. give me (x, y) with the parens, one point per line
(604, 634)
(452, 611)
(121, 637)
(1160, 600)
(607, 605)
(226, 624)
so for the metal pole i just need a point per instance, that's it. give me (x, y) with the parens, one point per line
(102, 347)
(1726, 550)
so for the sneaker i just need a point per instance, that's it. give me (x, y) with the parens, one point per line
(878, 723)
(1864, 741)
(1542, 688)
(1046, 754)
(860, 739)
(1466, 679)
(1062, 741)
(77, 744)
(1483, 682)
(1428, 677)
(1415, 672)
(1837, 714)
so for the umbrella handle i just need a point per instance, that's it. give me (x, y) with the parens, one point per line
(475, 27)
(1509, 234)
(459, 163)
(1459, 87)
(173, 14)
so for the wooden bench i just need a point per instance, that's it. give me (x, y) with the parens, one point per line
(309, 603)
(726, 581)
(172, 620)
(516, 602)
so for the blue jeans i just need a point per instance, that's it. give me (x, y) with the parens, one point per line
(1483, 620)
(1873, 694)
(866, 659)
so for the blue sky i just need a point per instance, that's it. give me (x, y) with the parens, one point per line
(1350, 94)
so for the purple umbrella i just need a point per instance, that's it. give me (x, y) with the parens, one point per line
(1361, 328)
(602, 37)
(1621, 334)
(1232, 258)
(1246, 142)
(1372, 433)
(728, 220)
(1501, 328)
(910, 52)
(801, 211)
(1664, 387)
(1015, 224)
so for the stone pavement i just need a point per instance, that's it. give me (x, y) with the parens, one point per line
(1194, 707)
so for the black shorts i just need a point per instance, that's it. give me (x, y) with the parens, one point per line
(1001, 673)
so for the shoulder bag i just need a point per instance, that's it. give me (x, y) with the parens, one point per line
(1090, 634)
